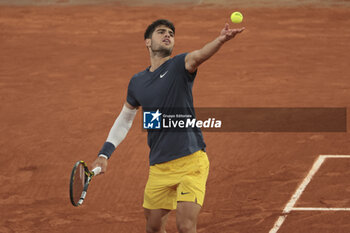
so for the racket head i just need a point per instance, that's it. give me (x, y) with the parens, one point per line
(79, 181)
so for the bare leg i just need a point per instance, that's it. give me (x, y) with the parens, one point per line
(156, 220)
(186, 216)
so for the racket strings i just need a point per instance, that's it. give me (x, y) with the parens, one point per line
(79, 182)
(80, 179)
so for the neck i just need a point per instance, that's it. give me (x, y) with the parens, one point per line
(157, 60)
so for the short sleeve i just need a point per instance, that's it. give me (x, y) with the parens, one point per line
(131, 98)
(180, 60)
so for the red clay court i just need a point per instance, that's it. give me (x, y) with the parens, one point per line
(64, 71)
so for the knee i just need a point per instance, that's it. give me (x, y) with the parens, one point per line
(186, 226)
(153, 228)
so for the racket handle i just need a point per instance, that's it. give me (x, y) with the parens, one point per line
(96, 170)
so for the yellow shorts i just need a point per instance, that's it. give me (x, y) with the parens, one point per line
(182, 179)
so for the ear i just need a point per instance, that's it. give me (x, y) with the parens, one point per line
(148, 42)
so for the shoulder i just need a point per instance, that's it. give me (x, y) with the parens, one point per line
(137, 76)
(180, 57)
(179, 60)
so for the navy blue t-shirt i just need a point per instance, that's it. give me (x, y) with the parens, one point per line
(169, 86)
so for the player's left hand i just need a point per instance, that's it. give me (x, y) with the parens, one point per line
(227, 34)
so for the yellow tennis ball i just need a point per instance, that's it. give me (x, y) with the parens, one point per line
(236, 17)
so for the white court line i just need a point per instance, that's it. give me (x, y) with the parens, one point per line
(290, 205)
(335, 156)
(278, 224)
(319, 209)
(303, 185)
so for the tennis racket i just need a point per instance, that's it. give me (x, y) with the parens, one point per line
(79, 182)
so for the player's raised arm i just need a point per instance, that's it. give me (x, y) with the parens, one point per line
(116, 135)
(197, 57)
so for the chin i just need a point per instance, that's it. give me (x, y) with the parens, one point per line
(163, 51)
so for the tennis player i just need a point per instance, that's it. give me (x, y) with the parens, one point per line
(179, 165)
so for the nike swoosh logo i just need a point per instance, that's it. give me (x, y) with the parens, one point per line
(162, 75)
(182, 193)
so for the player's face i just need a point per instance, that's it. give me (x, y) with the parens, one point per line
(162, 41)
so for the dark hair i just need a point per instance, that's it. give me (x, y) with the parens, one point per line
(150, 29)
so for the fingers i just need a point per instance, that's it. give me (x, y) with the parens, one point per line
(227, 33)
(230, 32)
(227, 26)
(237, 30)
(240, 29)
(227, 29)
(100, 162)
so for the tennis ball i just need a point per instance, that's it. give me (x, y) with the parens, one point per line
(236, 17)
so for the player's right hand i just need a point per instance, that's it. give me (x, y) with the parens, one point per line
(100, 162)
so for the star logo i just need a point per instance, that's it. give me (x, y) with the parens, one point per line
(156, 115)
(151, 120)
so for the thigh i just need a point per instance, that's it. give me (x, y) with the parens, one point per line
(186, 216)
(156, 219)
(192, 185)
(160, 190)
